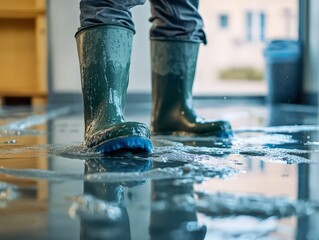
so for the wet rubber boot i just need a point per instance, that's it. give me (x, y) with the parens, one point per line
(104, 55)
(173, 71)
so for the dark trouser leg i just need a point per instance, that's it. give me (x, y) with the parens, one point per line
(177, 19)
(96, 12)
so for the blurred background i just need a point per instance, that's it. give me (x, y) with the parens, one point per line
(39, 59)
(260, 50)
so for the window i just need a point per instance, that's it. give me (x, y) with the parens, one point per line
(262, 26)
(255, 26)
(223, 21)
(232, 63)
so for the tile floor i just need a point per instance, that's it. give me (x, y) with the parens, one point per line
(260, 184)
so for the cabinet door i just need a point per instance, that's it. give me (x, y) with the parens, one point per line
(23, 56)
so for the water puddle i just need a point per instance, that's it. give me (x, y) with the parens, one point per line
(185, 171)
(231, 216)
(242, 228)
(183, 153)
(22, 127)
(35, 120)
(194, 161)
(163, 181)
(280, 129)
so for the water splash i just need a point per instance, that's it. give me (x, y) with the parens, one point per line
(188, 171)
(194, 162)
(40, 174)
(175, 202)
(258, 144)
(279, 155)
(90, 208)
(242, 228)
(263, 139)
(280, 129)
(245, 136)
(73, 151)
(181, 153)
(198, 173)
(228, 204)
(11, 151)
(308, 143)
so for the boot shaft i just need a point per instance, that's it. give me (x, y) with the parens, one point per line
(173, 72)
(174, 61)
(104, 54)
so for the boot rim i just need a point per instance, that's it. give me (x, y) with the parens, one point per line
(104, 25)
(162, 39)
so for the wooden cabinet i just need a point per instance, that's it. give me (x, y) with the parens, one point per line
(23, 50)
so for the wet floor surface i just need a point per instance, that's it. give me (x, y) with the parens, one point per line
(260, 184)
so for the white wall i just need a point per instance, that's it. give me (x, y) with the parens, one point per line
(63, 23)
(140, 78)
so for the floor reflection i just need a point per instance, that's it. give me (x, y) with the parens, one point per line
(102, 227)
(260, 184)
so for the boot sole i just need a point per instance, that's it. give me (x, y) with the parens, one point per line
(132, 144)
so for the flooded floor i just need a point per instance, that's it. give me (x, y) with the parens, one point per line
(260, 184)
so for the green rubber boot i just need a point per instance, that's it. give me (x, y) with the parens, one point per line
(104, 55)
(173, 71)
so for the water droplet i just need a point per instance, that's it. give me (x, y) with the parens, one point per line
(13, 141)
